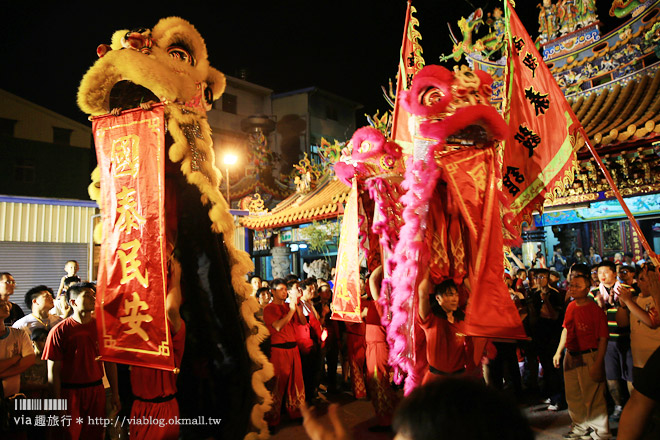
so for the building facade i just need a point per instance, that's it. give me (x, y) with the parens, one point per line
(46, 217)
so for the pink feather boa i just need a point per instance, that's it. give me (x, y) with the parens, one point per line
(410, 253)
(386, 196)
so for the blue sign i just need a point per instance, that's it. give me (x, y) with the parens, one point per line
(602, 210)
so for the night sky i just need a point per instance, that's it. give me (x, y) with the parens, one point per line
(347, 47)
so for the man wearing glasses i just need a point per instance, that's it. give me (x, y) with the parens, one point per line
(7, 285)
(627, 274)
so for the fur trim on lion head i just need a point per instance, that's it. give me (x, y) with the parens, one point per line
(170, 62)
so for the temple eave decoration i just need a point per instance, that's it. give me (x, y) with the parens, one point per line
(636, 171)
(619, 112)
(252, 185)
(324, 202)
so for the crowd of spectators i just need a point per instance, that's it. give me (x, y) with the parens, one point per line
(592, 347)
(50, 357)
(591, 328)
(592, 324)
(306, 347)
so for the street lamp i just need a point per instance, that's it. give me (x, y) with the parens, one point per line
(228, 159)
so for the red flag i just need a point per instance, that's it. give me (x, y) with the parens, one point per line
(410, 62)
(346, 299)
(132, 280)
(539, 153)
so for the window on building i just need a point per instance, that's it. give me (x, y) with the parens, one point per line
(315, 155)
(229, 103)
(24, 171)
(331, 113)
(62, 136)
(7, 127)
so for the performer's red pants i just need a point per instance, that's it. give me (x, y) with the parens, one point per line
(85, 404)
(289, 381)
(161, 413)
(381, 393)
(356, 360)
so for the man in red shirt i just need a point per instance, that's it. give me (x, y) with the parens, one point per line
(74, 373)
(155, 390)
(447, 348)
(279, 318)
(585, 338)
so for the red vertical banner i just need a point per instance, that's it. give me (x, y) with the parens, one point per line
(132, 278)
(346, 298)
(539, 153)
(410, 62)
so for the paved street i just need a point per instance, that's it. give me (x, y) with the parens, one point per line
(358, 416)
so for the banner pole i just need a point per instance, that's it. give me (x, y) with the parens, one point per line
(401, 72)
(633, 222)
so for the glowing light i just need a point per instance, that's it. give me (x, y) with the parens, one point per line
(229, 159)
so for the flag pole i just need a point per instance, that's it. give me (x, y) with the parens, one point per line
(619, 197)
(401, 70)
(506, 108)
(508, 77)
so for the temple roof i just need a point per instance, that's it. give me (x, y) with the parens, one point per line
(254, 184)
(325, 201)
(621, 112)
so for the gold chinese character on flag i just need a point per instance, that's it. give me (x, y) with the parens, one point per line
(125, 155)
(129, 219)
(130, 265)
(134, 318)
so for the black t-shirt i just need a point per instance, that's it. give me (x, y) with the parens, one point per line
(535, 303)
(15, 314)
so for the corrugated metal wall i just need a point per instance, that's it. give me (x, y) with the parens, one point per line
(39, 222)
(38, 236)
(36, 240)
(33, 264)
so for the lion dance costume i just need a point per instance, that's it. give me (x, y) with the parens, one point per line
(446, 215)
(223, 371)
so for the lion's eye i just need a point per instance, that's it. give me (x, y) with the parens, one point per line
(364, 147)
(431, 96)
(208, 95)
(179, 53)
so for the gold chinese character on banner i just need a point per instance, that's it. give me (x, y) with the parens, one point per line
(134, 318)
(125, 156)
(130, 265)
(127, 208)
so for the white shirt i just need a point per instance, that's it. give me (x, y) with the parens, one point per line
(643, 340)
(14, 342)
(29, 322)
